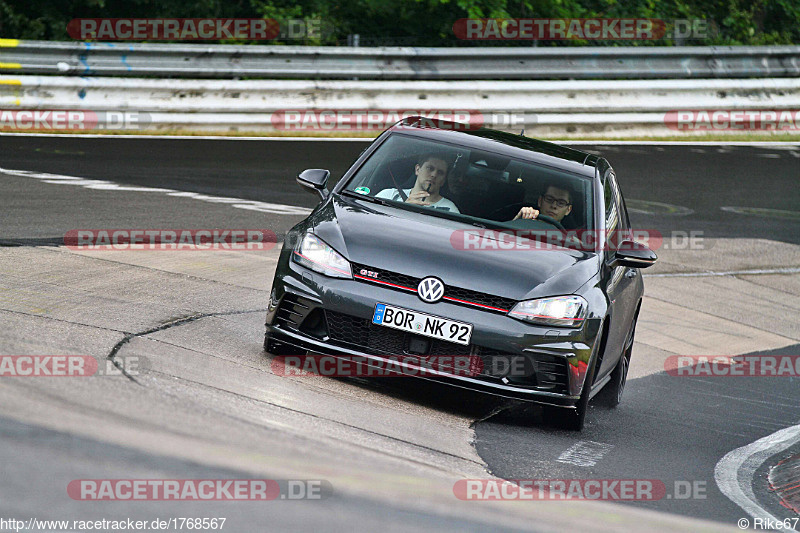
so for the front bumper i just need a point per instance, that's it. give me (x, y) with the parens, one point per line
(310, 313)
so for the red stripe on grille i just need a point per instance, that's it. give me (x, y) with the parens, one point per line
(474, 303)
(450, 298)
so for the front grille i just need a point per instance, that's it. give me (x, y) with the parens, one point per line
(541, 371)
(390, 277)
(466, 296)
(380, 340)
(505, 304)
(365, 336)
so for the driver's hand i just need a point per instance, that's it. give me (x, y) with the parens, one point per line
(527, 212)
(419, 198)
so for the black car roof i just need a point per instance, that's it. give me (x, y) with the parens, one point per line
(501, 142)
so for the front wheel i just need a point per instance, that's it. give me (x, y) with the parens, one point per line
(571, 419)
(574, 420)
(611, 395)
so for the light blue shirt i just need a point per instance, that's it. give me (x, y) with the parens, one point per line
(444, 204)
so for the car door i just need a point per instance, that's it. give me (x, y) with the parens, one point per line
(621, 282)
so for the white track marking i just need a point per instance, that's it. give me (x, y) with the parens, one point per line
(239, 203)
(754, 272)
(646, 207)
(762, 212)
(769, 144)
(734, 472)
(584, 453)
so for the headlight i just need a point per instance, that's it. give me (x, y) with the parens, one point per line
(314, 253)
(558, 311)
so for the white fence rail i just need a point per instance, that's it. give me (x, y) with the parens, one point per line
(541, 107)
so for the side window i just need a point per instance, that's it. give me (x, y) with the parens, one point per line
(616, 221)
(609, 197)
(622, 212)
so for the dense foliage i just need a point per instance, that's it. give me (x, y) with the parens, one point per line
(422, 22)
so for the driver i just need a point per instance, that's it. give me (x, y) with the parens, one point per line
(431, 171)
(556, 203)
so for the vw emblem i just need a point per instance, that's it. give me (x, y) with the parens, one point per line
(430, 290)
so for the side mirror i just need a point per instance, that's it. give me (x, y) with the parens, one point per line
(314, 180)
(633, 255)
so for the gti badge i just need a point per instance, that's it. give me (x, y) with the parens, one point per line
(430, 290)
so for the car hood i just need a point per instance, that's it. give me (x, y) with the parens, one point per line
(420, 245)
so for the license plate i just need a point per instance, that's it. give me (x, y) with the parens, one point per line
(422, 324)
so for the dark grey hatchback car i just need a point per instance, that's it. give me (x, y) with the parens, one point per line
(443, 239)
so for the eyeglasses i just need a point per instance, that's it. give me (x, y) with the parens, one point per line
(557, 202)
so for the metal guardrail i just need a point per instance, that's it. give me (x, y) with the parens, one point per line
(541, 107)
(260, 96)
(473, 63)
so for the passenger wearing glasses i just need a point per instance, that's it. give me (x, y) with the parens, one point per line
(556, 203)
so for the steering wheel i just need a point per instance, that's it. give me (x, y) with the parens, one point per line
(540, 216)
(549, 220)
(507, 206)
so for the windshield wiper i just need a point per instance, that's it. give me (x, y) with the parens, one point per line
(373, 199)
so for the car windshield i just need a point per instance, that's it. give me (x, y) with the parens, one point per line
(476, 186)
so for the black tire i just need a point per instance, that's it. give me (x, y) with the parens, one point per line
(571, 419)
(574, 419)
(611, 395)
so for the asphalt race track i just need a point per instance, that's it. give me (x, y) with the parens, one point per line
(205, 402)
(699, 178)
